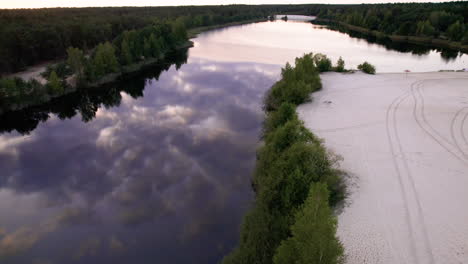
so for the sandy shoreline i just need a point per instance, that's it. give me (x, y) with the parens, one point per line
(404, 143)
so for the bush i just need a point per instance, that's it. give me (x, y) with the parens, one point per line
(313, 237)
(340, 65)
(322, 63)
(367, 68)
(296, 84)
(290, 161)
(275, 119)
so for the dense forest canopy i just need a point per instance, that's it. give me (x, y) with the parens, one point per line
(442, 20)
(31, 36)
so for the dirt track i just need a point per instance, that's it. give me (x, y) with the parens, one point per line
(404, 143)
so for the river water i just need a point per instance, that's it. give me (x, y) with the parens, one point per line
(156, 169)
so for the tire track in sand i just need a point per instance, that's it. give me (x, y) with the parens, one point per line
(453, 130)
(420, 117)
(390, 127)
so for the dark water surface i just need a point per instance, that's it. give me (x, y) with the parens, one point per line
(156, 169)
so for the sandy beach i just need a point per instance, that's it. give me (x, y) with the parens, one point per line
(404, 143)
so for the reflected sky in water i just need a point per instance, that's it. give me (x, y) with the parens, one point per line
(279, 41)
(161, 178)
(156, 169)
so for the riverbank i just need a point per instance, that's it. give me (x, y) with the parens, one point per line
(427, 41)
(295, 181)
(403, 142)
(135, 67)
(37, 98)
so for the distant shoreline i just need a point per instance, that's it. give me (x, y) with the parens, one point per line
(427, 41)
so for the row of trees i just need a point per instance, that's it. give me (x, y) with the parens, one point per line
(295, 183)
(15, 92)
(31, 36)
(130, 47)
(83, 102)
(438, 20)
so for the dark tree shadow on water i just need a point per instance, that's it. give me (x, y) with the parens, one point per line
(86, 102)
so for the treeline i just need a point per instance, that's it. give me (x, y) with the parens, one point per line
(103, 64)
(295, 182)
(437, 20)
(31, 36)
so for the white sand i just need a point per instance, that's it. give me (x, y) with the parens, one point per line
(33, 72)
(404, 140)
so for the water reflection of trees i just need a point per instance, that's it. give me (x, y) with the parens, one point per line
(416, 49)
(86, 102)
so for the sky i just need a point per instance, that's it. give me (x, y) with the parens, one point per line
(86, 3)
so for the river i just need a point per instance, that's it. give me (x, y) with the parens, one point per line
(156, 169)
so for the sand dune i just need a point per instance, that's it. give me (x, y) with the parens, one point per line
(404, 143)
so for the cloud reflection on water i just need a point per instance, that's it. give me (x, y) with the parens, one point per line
(144, 181)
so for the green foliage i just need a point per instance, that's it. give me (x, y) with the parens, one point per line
(54, 84)
(437, 20)
(322, 62)
(367, 68)
(76, 61)
(275, 119)
(296, 84)
(424, 28)
(104, 60)
(456, 31)
(37, 35)
(62, 69)
(290, 161)
(313, 237)
(126, 57)
(340, 65)
(179, 31)
(8, 87)
(155, 48)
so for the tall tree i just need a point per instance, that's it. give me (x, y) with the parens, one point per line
(76, 60)
(125, 53)
(105, 60)
(55, 84)
(313, 237)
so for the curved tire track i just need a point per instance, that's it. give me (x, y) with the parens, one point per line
(421, 121)
(453, 130)
(420, 251)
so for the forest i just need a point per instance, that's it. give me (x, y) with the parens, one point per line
(447, 21)
(32, 36)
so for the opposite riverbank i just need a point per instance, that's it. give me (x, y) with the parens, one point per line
(427, 41)
(33, 97)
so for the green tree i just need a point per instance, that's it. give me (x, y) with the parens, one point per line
(8, 87)
(125, 53)
(147, 48)
(456, 31)
(313, 237)
(424, 28)
(154, 46)
(54, 84)
(179, 31)
(322, 62)
(340, 65)
(367, 68)
(105, 60)
(275, 119)
(76, 61)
